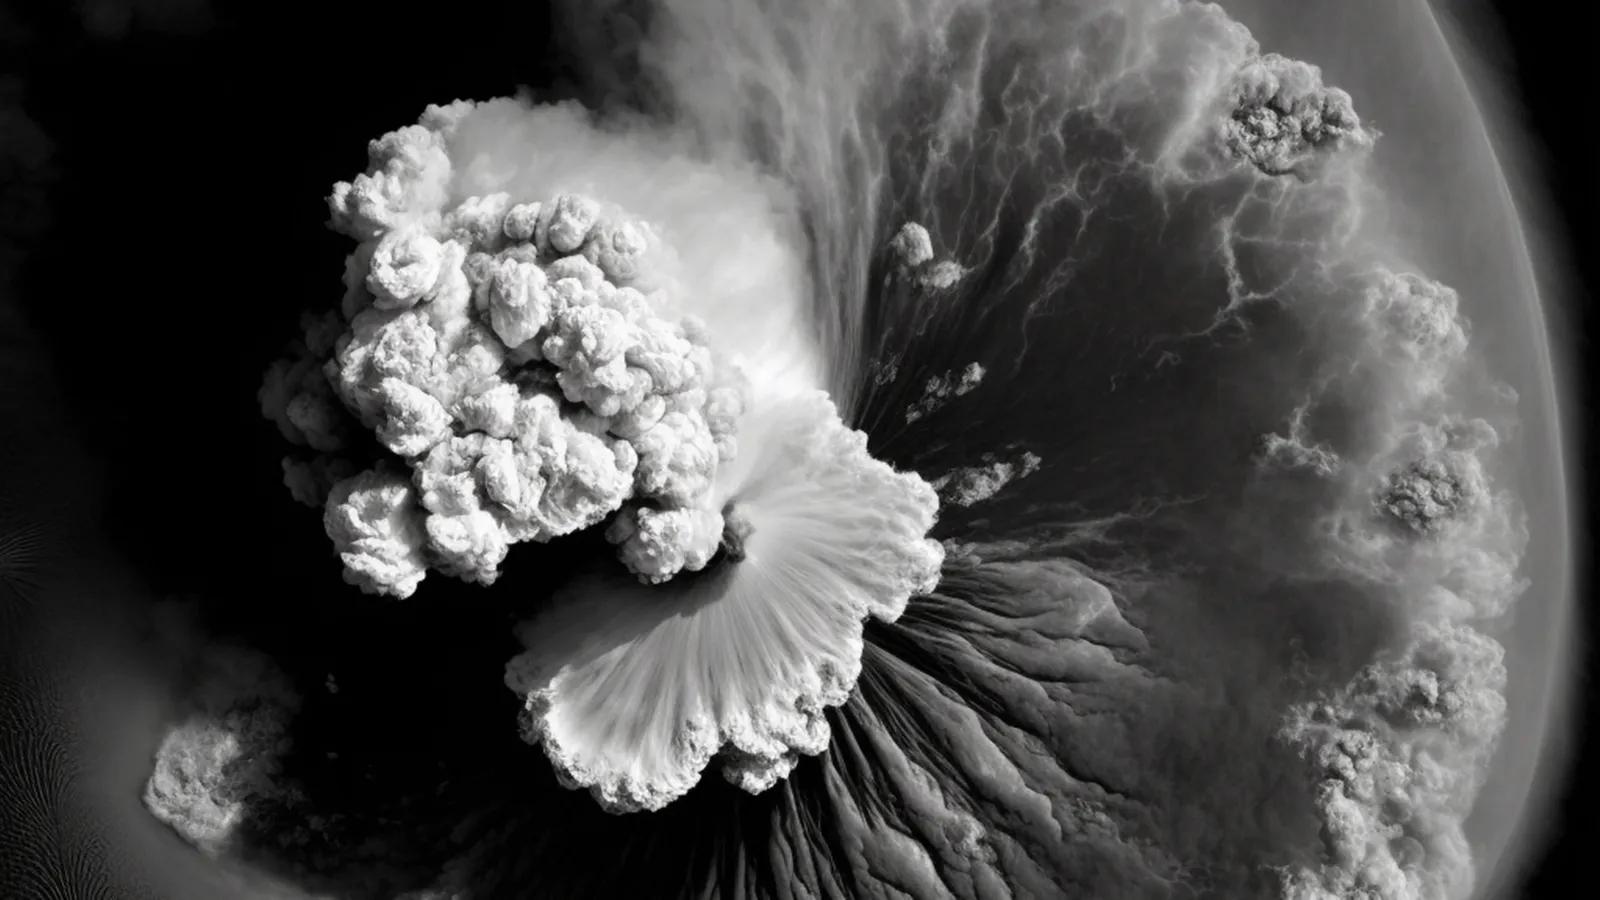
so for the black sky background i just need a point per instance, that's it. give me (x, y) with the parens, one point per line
(1552, 62)
(193, 148)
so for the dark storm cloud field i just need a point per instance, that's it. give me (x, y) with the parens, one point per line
(1190, 639)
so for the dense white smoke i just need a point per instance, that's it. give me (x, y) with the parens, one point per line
(533, 368)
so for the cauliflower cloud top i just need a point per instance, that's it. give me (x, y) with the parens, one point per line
(911, 249)
(1424, 494)
(1397, 757)
(508, 353)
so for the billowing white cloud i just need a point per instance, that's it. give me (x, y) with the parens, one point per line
(632, 691)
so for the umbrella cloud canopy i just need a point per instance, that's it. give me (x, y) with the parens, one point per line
(857, 448)
(747, 660)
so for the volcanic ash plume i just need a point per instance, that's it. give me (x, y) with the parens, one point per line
(1023, 462)
(534, 356)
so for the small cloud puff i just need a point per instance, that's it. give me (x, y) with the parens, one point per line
(940, 389)
(971, 485)
(219, 765)
(912, 252)
(1282, 119)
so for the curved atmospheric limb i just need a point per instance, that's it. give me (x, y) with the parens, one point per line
(1401, 437)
